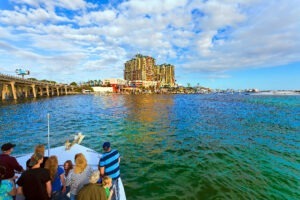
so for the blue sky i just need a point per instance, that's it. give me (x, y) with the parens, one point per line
(221, 44)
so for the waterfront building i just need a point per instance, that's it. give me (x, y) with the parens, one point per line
(115, 83)
(142, 71)
(146, 84)
(165, 75)
(99, 89)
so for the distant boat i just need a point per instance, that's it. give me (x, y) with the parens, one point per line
(277, 92)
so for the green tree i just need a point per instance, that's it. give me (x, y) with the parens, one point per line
(32, 79)
(73, 83)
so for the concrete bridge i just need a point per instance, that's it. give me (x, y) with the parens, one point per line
(12, 87)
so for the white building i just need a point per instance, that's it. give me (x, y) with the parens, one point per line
(114, 81)
(103, 89)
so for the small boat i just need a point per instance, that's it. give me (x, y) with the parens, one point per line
(68, 152)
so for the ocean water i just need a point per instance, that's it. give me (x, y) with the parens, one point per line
(176, 146)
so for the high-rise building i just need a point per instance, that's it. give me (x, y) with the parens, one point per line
(166, 75)
(143, 68)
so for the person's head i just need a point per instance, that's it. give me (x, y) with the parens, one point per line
(68, 165)
(80, 163)
(95, 176)
(106, 146)
(40, 148)
(107, 181)
(7, 148)
(35, 160)
(52, 164)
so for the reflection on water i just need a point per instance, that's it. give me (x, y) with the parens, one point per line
(147, 108)
(176, 146)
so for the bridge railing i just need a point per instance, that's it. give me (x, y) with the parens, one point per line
(13, 78)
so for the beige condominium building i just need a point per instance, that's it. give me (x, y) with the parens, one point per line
(143, 68)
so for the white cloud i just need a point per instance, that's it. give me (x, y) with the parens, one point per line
(199, 36)
(66, 4)
(34, 3)
(96, 17)
(29, 17)
(71, 4)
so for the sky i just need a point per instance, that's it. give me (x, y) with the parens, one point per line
(220, 44)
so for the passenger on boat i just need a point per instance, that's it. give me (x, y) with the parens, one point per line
(35, 183)
(8, 162)
(9, 165)
(109, 165)
(57, 178)
(68, 165)
(7, 189)
(79, 176)
(92, 191)
(40, 148)
(107, 183)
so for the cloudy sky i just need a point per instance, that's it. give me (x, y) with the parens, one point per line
(214, 43)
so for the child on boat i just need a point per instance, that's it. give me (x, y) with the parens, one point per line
(107, 183)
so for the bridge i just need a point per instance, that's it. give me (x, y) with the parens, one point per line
(13, 87)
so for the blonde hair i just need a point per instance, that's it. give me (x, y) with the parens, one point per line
(40, 148)
(80, 163)
(106, 180)
(52, 164)
(95, 176)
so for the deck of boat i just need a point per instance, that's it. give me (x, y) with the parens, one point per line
(62, 154)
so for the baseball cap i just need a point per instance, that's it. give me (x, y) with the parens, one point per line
(7, 146)
(106, 145)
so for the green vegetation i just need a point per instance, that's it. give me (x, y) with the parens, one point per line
(93, 82)
(32, 79)
(44, 80)
(47, 81)
(73, 84)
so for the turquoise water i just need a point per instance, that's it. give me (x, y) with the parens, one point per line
(176, 146)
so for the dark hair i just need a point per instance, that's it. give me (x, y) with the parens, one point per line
(70, 164)
(2, 173)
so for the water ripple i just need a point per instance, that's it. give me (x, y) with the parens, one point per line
(176, 146)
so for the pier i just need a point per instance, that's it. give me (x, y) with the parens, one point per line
(12, 87)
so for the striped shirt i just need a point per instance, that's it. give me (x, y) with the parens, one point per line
(110, 162)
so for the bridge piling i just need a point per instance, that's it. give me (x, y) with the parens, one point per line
(15, 87)
(4, 91)
(33, 90)
(47, 90)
